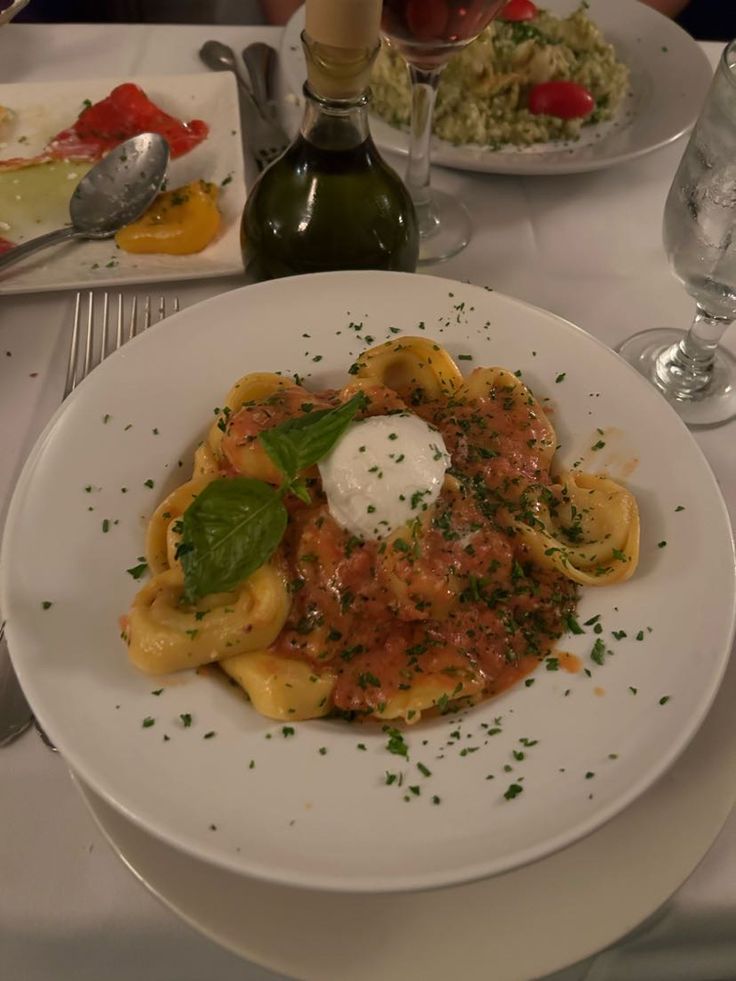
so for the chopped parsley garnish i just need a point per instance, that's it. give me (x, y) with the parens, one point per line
(598, 652)
(396, 743)
(366, 679)
(514, 790)
(137, 571)
(572, 624)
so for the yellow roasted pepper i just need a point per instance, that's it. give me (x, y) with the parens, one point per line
(178, 222)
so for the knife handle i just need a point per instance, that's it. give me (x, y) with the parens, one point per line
(260, 60)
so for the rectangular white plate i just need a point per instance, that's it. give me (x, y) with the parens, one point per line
(42, 109)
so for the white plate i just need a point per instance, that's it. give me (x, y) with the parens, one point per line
(42, 110)
(579, 900)
(330, 821)
(669, 78)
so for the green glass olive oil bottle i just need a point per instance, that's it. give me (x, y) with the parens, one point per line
(331, 201)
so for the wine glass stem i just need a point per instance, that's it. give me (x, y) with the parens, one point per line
(423, 95)
(686, 368)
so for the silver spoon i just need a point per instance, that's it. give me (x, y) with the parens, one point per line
(112, 194)
(221, 58)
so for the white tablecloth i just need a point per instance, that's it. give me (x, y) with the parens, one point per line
(587, 247)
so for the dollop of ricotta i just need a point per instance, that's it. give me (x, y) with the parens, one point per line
(383, 472)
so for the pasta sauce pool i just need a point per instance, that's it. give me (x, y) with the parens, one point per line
(447, 608)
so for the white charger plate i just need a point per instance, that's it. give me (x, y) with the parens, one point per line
(670, 76)
(42, 109)
(579, 900)
(330, 821)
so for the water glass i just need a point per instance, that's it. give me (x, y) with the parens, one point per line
(690, 369)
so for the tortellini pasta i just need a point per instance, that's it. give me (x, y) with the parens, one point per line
(447, 610)
(592, 536)
(282, 688)
(411, 366)
(165, 635)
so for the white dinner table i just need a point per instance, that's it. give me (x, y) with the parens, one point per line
(587, 247)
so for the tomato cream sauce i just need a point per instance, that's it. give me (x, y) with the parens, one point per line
(452, 595)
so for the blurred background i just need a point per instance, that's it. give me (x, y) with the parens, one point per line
(704, 19)
(144, 11)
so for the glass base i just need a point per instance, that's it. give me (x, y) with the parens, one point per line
(444, 228)
(706, 401)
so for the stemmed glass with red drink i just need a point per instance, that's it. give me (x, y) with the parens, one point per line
(427, 33)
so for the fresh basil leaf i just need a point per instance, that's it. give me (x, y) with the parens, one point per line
(231, 529)
(299, 489)
(299, 443)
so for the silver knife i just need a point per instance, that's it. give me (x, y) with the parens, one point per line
(260, 62)
(16, 714)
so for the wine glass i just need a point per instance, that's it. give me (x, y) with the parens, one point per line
(9, 8)
(427, 33)
(696, 376)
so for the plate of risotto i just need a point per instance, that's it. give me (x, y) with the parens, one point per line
(638, 80)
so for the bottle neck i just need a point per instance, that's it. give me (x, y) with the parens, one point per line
(333, 124)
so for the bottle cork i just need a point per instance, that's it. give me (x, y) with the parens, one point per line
(341, 39)
(343, 23)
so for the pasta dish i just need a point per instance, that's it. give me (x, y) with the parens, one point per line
(399, 546)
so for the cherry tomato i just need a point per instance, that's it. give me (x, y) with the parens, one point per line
(518, 10)
(427, 19)
(566, 100)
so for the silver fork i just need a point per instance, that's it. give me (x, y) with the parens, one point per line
(94, 351)
(93, 338)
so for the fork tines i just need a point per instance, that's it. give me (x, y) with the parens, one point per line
(98, 340)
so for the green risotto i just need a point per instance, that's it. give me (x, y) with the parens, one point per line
(483, 92)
